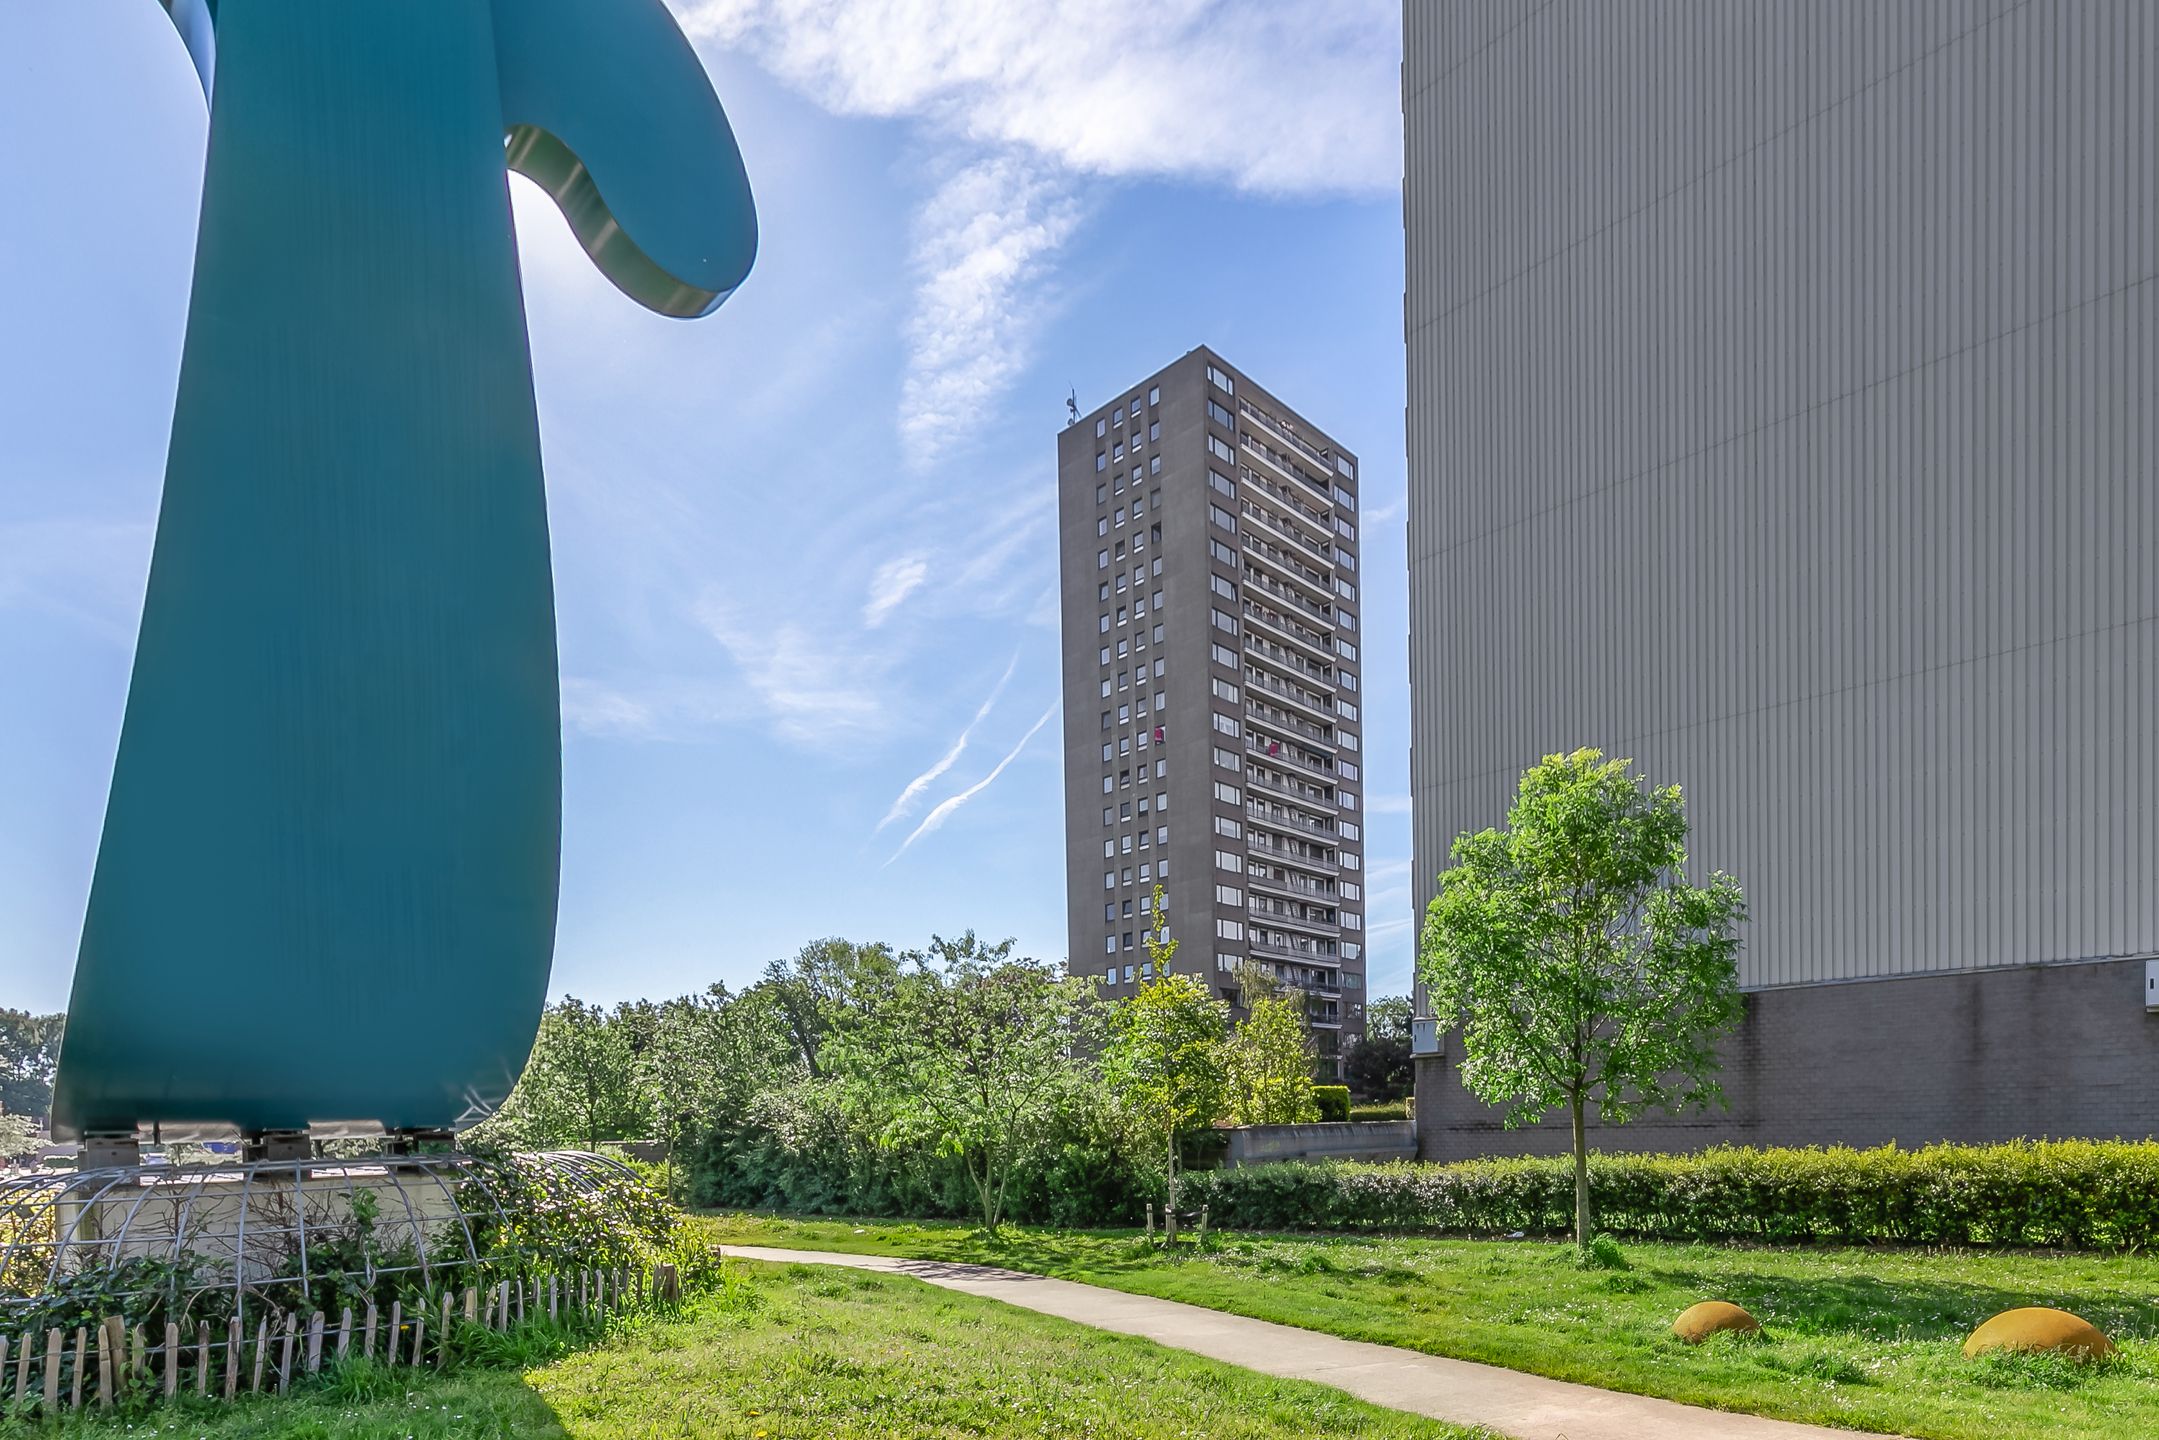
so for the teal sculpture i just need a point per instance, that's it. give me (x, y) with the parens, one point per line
(325, 890)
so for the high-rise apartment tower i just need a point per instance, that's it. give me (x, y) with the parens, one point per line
(1208, 540)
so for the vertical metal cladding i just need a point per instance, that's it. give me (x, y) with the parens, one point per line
(1780, 392)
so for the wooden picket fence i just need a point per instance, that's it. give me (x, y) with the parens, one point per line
(111, 1359)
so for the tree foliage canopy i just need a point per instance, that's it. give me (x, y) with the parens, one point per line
(1580, 964)
(970, 1050)
(1267, 1064)
(29, 1054)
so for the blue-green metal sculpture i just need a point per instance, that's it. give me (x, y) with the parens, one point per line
(325, 893)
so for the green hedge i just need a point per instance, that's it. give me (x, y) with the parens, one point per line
(2079, 1194)
(1332, 1100)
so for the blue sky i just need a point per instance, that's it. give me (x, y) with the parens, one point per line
(803, 548)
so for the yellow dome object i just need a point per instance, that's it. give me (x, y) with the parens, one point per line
(2038, 1328)
(1698, 1322)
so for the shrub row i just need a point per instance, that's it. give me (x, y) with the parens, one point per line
(2077, 1194)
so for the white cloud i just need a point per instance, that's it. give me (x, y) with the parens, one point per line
(1386, 804)
(592, 707)
(922, 782)
(1266, 95)
(1385, 514)
(1386, 872)
(894, 581)
(813, 689)
(983, 241)
(948, 808)
(1030, 97)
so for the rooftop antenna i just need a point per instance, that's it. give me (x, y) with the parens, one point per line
(1071, 405)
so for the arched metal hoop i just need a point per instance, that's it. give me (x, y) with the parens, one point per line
(215, 1242)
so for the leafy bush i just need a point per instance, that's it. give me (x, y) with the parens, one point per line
(800, 1150)
(2068, 1193)
(1333, 1101)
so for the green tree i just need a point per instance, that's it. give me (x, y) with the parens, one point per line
(29, 1054)
(971, 1052)
(1579, 962)
(582, 1084)
(822, 987)
(1164, 1058)
(18, 1137)
(1378, 1067)
(1267, 1064)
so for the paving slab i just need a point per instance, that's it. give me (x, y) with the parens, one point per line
(1462, 1392)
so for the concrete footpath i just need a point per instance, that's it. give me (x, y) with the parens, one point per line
(1526, 1406)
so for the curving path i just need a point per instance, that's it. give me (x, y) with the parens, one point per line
(1462, 1392)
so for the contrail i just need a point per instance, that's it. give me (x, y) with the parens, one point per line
(922, 782)
(944, 811)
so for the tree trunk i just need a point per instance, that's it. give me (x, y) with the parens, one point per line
(1581, 1178)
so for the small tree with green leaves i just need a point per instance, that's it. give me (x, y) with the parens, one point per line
(1379, 1066)
(1267, 1064)
(971, 1052)
(1164, 1058)
(1577, 959)
(581, 1085)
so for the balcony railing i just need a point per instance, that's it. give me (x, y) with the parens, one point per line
(1288, 916)
(1286, 596)
(1289, 790)
(1285, 754)
(1282, 720)
(1281, 562)
(1321, 555)
(1288, 659)
(1281, 429)
(1278, 623)
(1320, 705)
(1283, 465)
(1285, 498)
(1275, 815)
(1282, 855)
(1300, 948)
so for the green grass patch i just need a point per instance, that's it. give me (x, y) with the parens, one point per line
(1863, 1338)
(796, 1352)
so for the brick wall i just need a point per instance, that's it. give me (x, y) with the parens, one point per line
(2054, 1050)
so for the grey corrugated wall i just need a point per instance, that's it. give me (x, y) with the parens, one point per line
(1781, 382)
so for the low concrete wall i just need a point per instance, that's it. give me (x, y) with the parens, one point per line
(1366, 1140)
(2055, 1051)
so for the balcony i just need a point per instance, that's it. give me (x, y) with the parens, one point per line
(1302, 546)
(1293, 792)
(1284, 755)
(1261, 813)
(1287, 628)
(1287, 756)
(1262, 648)
(1283, 854)
(1281, 430)
(1282, 720)
(1285, 499)
(1283, 466)
(1321, 706)
(1290, 599)
(1296, 886)
(1282, 564)
(1278, 916)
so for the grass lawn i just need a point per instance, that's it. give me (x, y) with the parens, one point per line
(797, 1353)
(1862, 1338)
